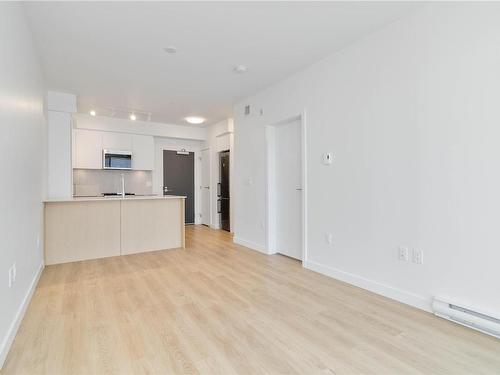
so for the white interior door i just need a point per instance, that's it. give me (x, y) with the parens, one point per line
(205, 187)
(288, 189)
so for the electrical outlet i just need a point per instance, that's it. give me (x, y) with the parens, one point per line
(403, 254)
(417, 256)
(329, 238)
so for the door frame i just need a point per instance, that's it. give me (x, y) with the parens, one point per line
(271, 183)
(219, 173)
(210, 200)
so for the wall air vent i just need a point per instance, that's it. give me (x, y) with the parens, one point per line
(466, 316)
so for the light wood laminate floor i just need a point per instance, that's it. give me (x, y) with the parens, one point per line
(219, 308)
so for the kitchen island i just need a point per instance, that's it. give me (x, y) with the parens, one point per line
(97, 227)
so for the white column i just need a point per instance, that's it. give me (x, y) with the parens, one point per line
(60, 107)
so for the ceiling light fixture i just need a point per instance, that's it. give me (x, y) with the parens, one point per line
(240, 69)
(133, 117)
(92, 113)
(170, 49)
(195, 120)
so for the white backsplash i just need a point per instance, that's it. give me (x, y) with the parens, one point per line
(93, 182)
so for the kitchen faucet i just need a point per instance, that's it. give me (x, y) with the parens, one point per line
(123, 185)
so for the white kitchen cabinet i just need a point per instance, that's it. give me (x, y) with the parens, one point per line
(116, 141)
(143, 157)
(87, 149)
(89, 144)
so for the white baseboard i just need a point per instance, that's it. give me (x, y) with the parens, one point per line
(388, 291)
(14, 326)
(250, 245)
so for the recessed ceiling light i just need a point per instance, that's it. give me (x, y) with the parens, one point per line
(170, 49)
(132, 117)
(92, 113)
(195, 120)
(240, 69)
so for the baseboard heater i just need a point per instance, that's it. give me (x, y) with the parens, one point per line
(465, 316)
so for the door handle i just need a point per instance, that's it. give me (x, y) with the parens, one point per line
(219, 206)
(299, 189)
(218, 189)
(165, 189)
(206, 187)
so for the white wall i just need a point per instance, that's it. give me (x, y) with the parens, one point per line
(23, 168)
(220, 137)
(411, 114)
(156, 129)
(177, 145)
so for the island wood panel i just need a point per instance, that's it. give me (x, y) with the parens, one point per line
(148, 225)
(81, 230)
(183, 222)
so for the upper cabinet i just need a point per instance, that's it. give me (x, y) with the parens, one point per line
(117, 141)
(88, 146)
(87, 149)
(143, 157)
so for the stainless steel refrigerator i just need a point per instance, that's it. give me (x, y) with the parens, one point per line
(223, 201)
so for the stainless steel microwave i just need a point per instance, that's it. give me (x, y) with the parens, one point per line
(113, 159)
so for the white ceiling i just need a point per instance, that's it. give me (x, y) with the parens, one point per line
(111, 54)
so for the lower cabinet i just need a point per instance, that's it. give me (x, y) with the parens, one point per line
(148, 225)
(81, 230)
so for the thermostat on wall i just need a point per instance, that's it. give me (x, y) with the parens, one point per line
(327, 158)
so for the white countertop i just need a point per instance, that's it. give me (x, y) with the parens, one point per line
(113, 198)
